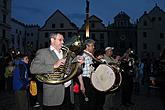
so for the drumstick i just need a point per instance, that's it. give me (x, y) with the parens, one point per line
(86, 98)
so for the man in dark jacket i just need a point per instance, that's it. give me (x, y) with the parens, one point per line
(20, 83)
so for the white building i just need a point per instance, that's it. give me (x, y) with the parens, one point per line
(5, 25)
(151, 33)
(57, 22)
(24, 37)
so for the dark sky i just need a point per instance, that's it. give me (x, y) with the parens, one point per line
(38, 11)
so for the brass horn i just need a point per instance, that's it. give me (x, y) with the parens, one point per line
(66, 72)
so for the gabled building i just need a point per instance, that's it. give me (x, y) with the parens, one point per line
(5, 26)
(151, 33)
(97, 32)
(122, 34)
(57, 22)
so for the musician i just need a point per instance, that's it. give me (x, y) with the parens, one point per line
(108, 56)
(109, 99)
(127, 65)
(59, 96)
(88, 97)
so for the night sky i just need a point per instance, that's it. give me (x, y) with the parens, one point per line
(38, 11)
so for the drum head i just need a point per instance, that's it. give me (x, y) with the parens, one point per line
(103, 78)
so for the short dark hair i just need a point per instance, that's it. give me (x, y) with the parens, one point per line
(89, 41)
(54, 35)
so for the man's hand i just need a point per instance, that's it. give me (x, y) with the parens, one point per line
(60, 62)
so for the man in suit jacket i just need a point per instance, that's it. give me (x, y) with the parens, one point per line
(55, 97)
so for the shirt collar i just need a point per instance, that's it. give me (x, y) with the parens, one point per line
(59, 54)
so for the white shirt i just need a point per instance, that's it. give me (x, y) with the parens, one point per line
(60, 56)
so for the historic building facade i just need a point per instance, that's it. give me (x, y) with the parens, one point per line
(24, 38)
(122, 34)
(146, 37)
(5, 26)
(57, 22)
(98, 32)
(151, 33)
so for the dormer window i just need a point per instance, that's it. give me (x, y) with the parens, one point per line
(93, 25)
(53, 25)
(159, 18)
(62, 25)
(153, 18)
(145, 23)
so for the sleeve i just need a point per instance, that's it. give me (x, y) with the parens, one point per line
(22, 71)
(39, 65)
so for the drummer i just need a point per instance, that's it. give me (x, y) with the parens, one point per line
(109, 98)
(87, 97)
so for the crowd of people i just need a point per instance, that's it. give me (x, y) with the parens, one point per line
(19, 72)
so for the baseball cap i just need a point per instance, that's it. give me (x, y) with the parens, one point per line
(109, 48)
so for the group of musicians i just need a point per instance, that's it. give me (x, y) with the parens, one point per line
(57, 96)
(104, 100)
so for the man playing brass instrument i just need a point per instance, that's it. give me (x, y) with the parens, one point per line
(55, 96)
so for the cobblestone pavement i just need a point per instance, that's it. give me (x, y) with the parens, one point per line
(143, 101)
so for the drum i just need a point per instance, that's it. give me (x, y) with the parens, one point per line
(106, 78)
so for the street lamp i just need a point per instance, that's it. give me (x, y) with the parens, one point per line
(87, 19)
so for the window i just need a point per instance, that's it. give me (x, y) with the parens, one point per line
(3, 33)
(62, 25)
(161, 35)
(145, 23)
(122, 44)
(46, 44)
(16, 30)
(20, 32)
(63, 33)
(4, 18)
(53, 25)
(93, 25)
(93, 36)
(31, 34)
(102, 46)
(153, 18)
(69, 34)
(46, 34)
(159, 18)
(5, 4)
(144, 46)
(12, 41)
(102, 36)
(158, 47)
(130, 45)
(18, 40)
(27, 34)
(144, 34)
(31, 43)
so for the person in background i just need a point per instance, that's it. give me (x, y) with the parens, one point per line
(127, 67)
(162, 74)
(21, 83)
(9, 76)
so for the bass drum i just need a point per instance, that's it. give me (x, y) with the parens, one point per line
(106, 78)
